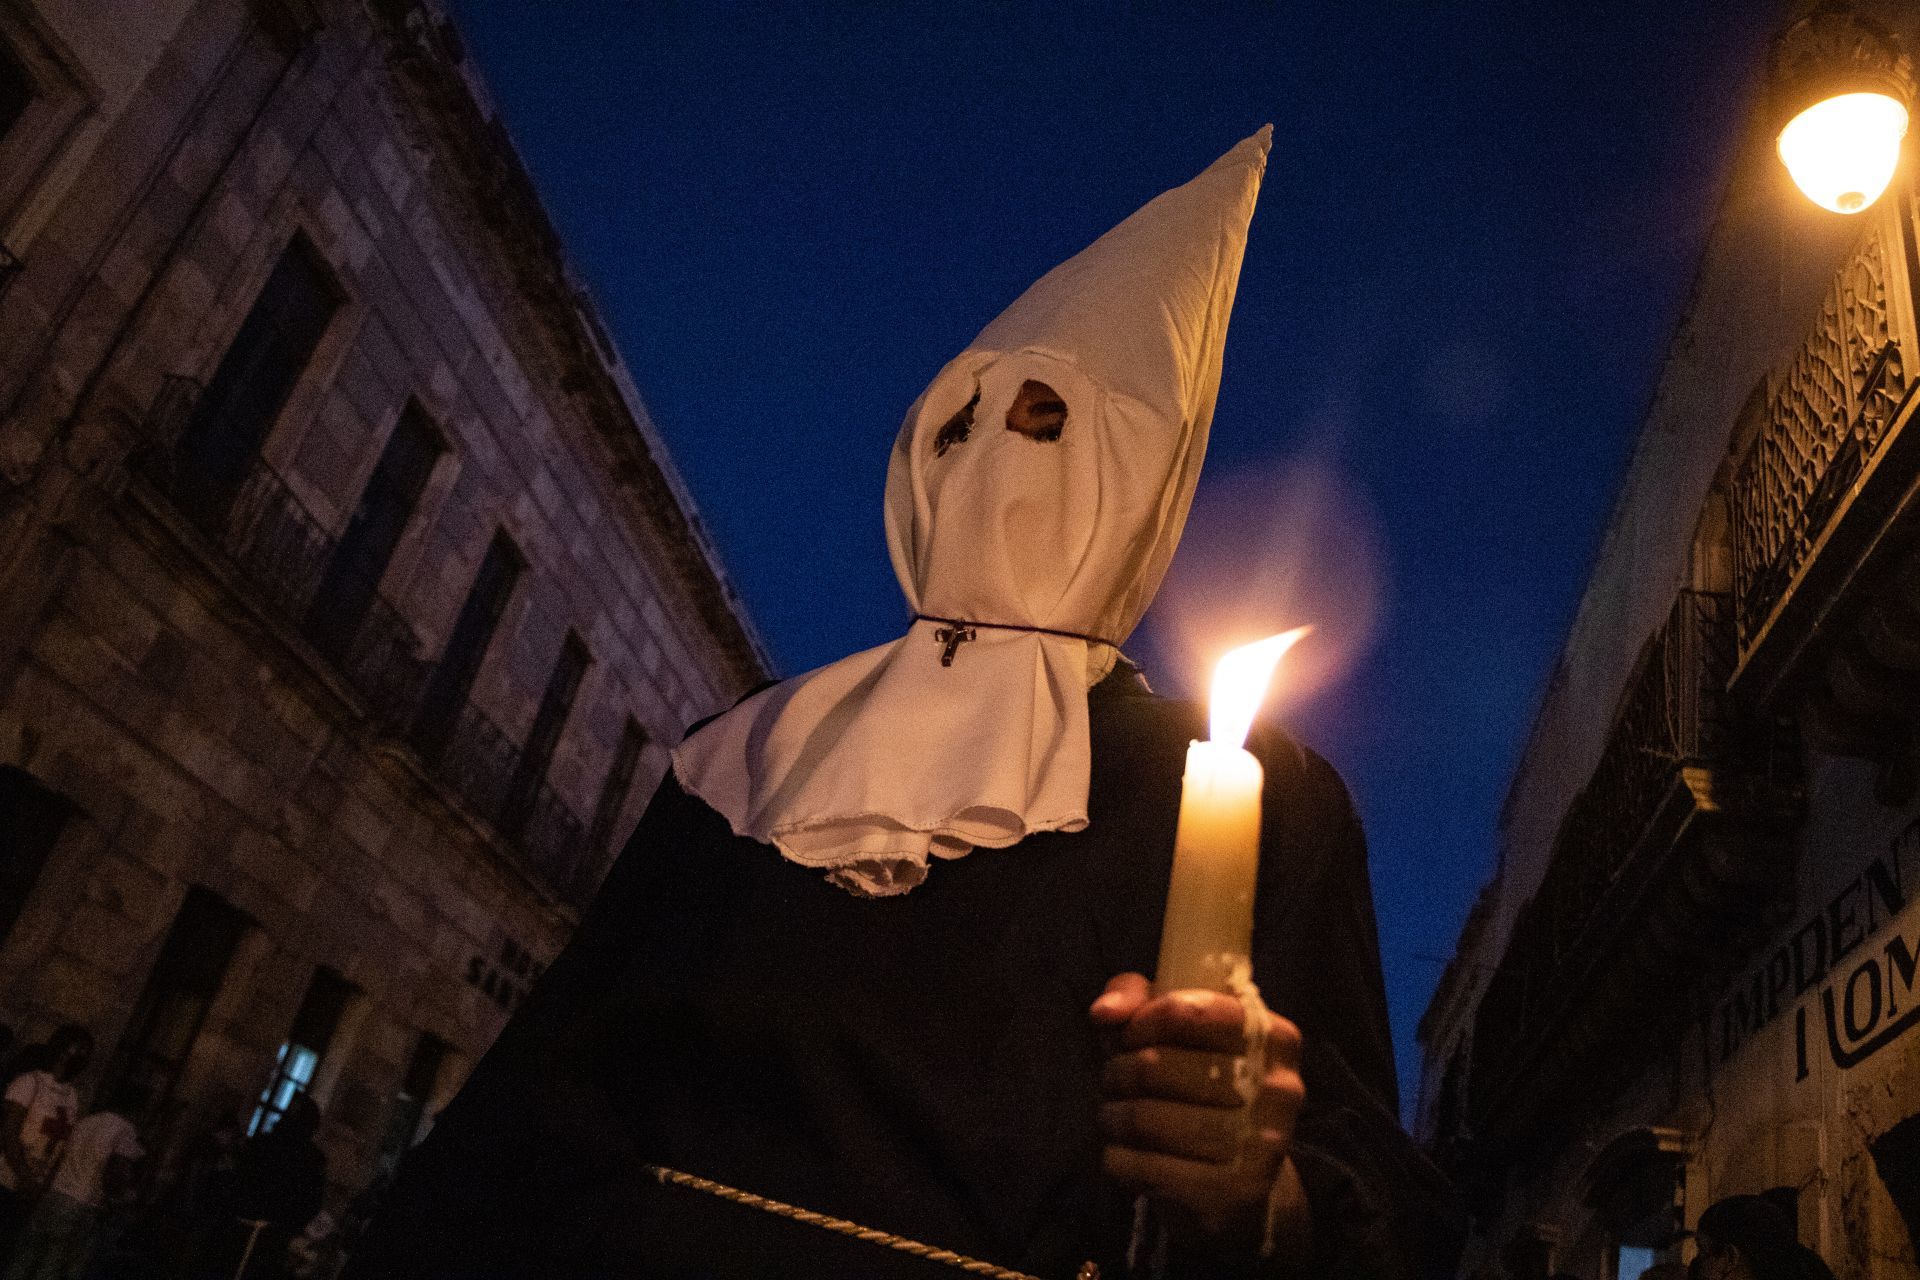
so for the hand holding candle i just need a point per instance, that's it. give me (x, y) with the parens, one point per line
(1200, 1102)
(1208, 929)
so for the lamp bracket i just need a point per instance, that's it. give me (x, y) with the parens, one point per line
(1831, 49)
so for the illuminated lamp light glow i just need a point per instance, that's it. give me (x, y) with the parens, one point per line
(1842, 152)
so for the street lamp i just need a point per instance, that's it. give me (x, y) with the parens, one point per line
(1842, 87)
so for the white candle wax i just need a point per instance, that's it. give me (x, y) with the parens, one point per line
(1208, 928)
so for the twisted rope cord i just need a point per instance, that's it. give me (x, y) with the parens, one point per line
(842, 1226)
(1014, 626)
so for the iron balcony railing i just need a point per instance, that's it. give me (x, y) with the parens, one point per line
(288, 558)
(1826, 415)
(555, 843)
(284, 554)
(489, 772)
(381, 658)
(477, 762)
(1672, 718)
(278, 545)
(481, 765)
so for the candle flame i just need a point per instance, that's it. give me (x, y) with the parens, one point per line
(1240, 681)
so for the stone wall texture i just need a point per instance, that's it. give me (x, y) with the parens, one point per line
(157, 672)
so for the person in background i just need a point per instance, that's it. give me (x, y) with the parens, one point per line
(315, 1251)
(96, 1170)
(203, 1195)
(279, 1185)
(365, 1207)
(1751, 1238)
(36, 1119)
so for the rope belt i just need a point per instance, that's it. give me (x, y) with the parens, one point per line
(1088, 1271)
(958, 631)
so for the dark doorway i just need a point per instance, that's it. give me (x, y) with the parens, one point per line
(16, 89)
(453, 677)
(233, 415)
(32, 816)
(186, 977)
(305, 1047)
(410, 1104)
(617, 787)
(556, 704)
(358, 563)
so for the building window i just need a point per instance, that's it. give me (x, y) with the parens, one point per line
(453, 677)
(410, 1105)
(306, 1044)
(618, 786)
(16, 88)
(274, 345)
(387, 504)
(186, 977)
(1630, 1260)
(43, 96)
(563, 684)
(31, 819)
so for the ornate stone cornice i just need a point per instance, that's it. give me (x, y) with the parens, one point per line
(483, 187)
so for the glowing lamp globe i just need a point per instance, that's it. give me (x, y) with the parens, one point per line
(1842, 152)
(1842, 87)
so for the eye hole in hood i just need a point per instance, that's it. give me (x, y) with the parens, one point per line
(1037, 412)
(956, 429)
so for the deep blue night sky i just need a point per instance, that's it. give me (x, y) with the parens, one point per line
(1477, 232)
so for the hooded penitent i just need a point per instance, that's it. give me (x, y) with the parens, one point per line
(1045, 545)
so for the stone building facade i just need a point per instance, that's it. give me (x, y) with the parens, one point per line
(348, 598)
(1692, 974)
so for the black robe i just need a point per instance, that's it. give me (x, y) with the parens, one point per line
(921, 1064)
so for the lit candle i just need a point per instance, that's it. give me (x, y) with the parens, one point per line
(1208, 930)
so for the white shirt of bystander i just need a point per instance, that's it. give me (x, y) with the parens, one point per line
(51, 1104)
(96, 1140)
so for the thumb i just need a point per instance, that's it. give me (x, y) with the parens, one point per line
(1124, 995)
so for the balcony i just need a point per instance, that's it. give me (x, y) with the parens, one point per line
(554, 841)
(283, 559)
(1656, 864)
(1830, 465)
(487, 771)
(1667, 861)
(283, 556)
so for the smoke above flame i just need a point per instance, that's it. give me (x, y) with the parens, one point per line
(1270, 547)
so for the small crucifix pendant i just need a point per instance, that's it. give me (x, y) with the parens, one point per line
(952, 638)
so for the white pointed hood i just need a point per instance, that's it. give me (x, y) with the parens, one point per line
(871, 766)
